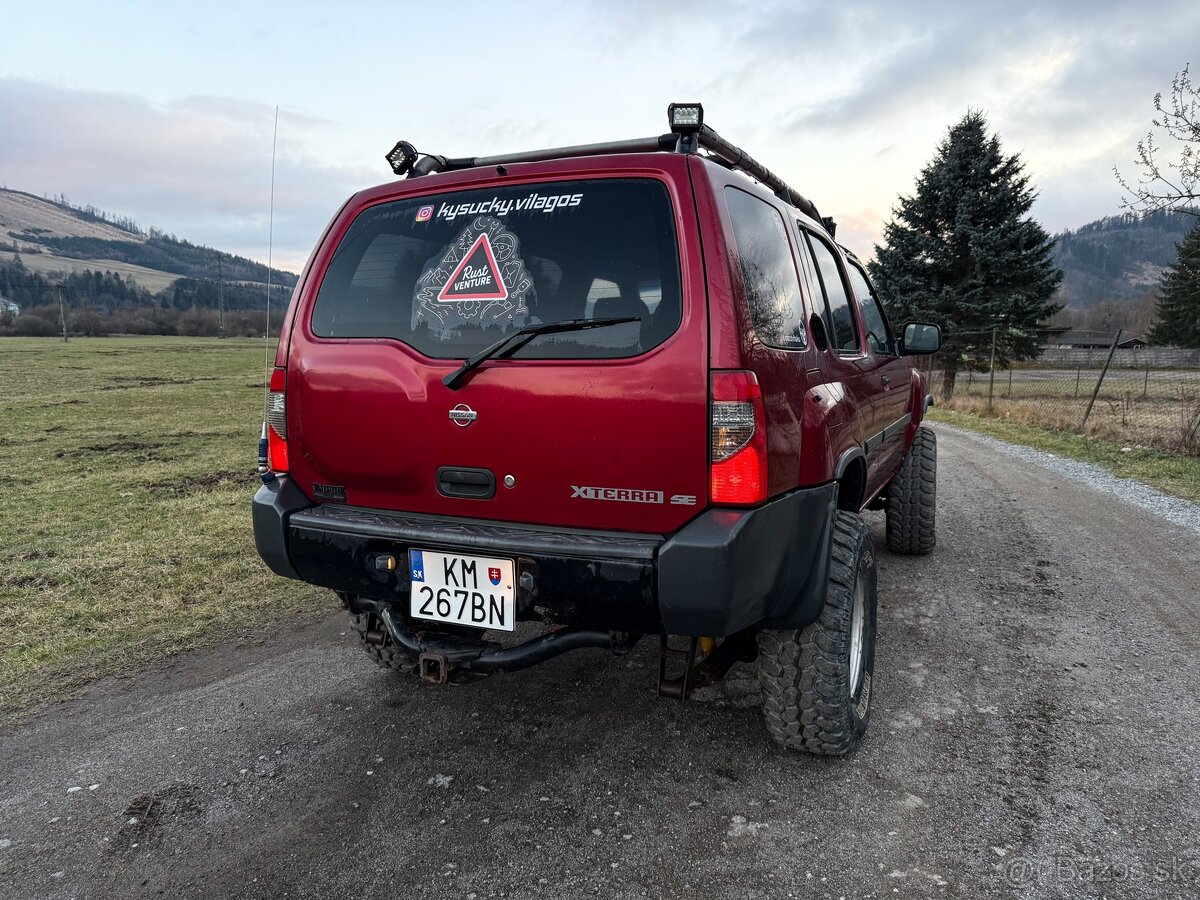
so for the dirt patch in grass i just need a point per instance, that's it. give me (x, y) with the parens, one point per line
(195, 484)
(207, 434)
(125, 382)
(39, 581)
(142, 449)
(13, 442)
(159, 379)
(29, 555)
(35, 555)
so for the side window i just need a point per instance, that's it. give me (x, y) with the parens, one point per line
(768, 271)
(879, 336)
(843, 332)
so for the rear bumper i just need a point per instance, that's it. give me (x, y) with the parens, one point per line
(725, 571)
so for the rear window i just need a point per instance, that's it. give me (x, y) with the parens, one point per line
(450, 274)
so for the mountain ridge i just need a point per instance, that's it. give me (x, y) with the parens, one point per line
(1118, 258)
(55, 238)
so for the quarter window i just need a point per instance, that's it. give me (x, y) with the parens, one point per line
(843, 332)
(768, 271)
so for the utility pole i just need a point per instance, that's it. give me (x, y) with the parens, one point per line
(1099, 381)
(62, 315)
(992, 370)
(220, 298)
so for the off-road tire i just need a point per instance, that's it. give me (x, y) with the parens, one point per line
(804, 674)
(912, 498)
(387, 654)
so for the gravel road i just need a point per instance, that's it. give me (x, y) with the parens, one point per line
(1035, 734)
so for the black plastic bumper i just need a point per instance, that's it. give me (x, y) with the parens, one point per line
(725, 571)
(273, 505)
(732, 569)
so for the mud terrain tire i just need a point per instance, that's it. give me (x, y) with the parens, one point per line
(386, 654)
(912, 498)
(811, 698)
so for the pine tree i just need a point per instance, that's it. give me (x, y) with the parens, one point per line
(1179, 297)
(961, 252)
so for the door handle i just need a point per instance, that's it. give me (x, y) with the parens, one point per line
(468, 484)
(887, 380)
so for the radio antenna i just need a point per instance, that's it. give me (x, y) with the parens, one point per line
(270, 247)
(262, 441)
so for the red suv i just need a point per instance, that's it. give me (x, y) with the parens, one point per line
(617, 390)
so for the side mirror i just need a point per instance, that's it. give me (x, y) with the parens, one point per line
(920, 338)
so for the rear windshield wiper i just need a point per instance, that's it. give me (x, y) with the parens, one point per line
(518, 339)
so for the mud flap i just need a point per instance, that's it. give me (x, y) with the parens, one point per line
(733, 569)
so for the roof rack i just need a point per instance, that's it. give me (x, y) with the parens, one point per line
(688, 134)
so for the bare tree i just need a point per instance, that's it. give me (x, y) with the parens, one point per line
(1170, 185)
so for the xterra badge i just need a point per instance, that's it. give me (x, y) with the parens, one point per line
(621, 495)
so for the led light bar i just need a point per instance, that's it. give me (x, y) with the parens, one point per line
(685, 118)
(401, 157)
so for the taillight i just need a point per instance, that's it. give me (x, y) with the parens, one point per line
(277, 454)
(738, 440)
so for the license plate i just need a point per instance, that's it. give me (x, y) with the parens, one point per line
(476, 591)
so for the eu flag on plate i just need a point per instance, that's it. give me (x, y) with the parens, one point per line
(416, 562)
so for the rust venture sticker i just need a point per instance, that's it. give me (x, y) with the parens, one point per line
(480, 279)
(477, 277)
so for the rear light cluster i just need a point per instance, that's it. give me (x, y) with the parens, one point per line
(277, 453)
(738, 440)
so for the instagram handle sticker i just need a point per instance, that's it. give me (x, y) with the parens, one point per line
(425, 213)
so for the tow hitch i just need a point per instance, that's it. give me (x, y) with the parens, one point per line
(439, 655)
(434, 668)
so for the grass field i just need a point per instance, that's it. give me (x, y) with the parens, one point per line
(126, 470)
(1158, 409)
(1171, 473)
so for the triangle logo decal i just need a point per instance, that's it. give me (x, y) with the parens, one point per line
(476, 277)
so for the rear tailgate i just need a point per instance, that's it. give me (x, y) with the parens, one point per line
(603, 429)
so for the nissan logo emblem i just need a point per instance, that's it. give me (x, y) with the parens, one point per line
(462, 415)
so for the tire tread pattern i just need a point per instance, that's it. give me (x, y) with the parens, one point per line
(912, 498)
(386, 654)
(804, 674)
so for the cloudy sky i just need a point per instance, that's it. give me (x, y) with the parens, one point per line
(164, 111)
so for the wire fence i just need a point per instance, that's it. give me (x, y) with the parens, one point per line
(1135, 395)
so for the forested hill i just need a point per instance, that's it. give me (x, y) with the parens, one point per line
(166, 253)
(1118, 257)
(54, 238)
